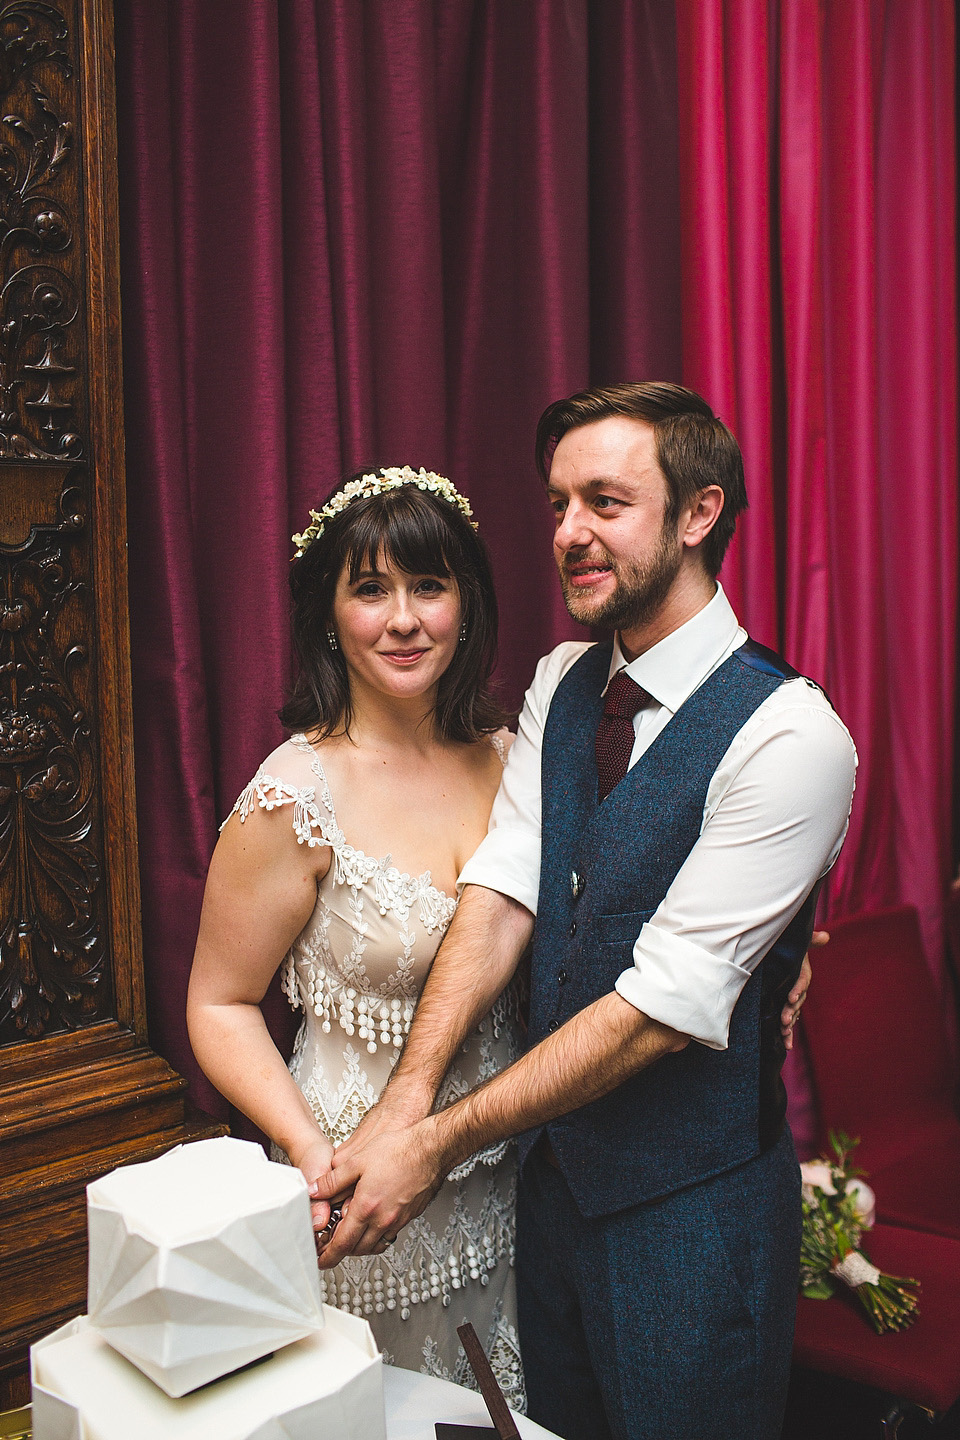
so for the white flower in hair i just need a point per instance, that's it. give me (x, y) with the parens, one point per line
(393, 478)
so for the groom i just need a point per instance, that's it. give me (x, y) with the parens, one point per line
(671, 802)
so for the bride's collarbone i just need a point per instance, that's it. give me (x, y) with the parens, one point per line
(461, 773)
(425, 816)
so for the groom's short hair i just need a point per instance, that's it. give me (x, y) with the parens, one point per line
(694, 448)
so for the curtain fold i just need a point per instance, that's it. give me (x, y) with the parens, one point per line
(725, 172)
(917, 428)
(633, 204)
(817, 195)
(393, 232)
(350, 235)
(800, 213)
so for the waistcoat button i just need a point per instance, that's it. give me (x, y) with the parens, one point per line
(554, 1025)
(577, 884)
(562, 978)
(573, 927)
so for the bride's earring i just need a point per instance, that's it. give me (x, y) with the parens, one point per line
(332, 640)
(463, 631)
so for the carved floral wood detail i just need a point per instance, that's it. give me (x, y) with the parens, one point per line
(53, 973)
(38, 302)
(80, 1089)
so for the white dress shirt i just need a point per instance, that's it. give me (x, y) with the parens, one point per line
(773, 822)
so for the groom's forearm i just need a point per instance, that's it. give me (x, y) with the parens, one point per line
(593, 1053)
(396, 1176)
(476, 960)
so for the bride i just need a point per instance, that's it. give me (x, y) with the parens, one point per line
(339, 863)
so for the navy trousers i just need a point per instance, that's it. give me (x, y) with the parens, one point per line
(669, 1321)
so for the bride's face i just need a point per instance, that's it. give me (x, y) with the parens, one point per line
(397, 632)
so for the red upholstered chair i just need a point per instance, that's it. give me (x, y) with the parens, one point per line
(919, 1366)
(882, 1068)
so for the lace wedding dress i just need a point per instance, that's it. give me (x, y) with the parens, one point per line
(356, 971)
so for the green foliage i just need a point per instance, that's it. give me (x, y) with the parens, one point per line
(832, 1226)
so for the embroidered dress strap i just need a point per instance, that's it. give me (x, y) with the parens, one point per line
(270, 792)
(395, 891)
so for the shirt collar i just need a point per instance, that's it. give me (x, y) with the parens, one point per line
(678, 664)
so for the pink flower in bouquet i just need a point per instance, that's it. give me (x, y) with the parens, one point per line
(816, 1174)
(864, 1202)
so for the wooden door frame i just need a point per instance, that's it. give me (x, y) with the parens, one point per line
(80, 1089)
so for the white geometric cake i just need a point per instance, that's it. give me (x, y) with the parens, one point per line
(326, 1387)
(202, 1262)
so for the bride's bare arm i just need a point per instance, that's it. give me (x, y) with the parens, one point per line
(261, 890)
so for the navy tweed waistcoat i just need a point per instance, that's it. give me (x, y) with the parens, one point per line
(698, 1112)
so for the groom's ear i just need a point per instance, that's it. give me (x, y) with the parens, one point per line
(702, 515)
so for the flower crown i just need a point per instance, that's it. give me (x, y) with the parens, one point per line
(391, 479)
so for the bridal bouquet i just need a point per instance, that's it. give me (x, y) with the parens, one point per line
(838, 1206)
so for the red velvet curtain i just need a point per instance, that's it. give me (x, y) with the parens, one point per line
(819, 263)
(352, 234)
(394, 231)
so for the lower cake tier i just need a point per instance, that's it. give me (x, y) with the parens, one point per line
(328, 1386)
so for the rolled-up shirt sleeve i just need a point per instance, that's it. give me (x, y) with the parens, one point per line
(683, 986)
(508, 859)
(774, 820)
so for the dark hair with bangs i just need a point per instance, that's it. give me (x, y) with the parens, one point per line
(422, 535)
(694, 448)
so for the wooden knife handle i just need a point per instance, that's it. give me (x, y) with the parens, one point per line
(506, 1426)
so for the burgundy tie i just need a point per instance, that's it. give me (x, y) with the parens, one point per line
(615, 735)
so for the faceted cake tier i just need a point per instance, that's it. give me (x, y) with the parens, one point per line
(201, 1261)
(328, 1386)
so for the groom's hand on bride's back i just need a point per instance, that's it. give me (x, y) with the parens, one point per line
(791, 1010)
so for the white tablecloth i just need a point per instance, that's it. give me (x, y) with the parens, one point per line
(415, 1402)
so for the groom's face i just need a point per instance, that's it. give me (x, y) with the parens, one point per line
(616, 556)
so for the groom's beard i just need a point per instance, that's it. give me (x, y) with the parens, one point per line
(640, 592)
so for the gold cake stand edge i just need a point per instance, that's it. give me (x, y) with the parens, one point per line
(16, 1424)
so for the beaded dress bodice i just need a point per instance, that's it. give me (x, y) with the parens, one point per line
(356, 972)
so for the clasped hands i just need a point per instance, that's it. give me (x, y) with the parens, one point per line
(393, 1164)
(380, 1179)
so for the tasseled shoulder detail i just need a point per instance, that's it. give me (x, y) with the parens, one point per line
(269, 793)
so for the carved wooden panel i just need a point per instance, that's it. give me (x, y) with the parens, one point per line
(80, 1091)
(39, 173)
(51, 866)
(54, 939)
